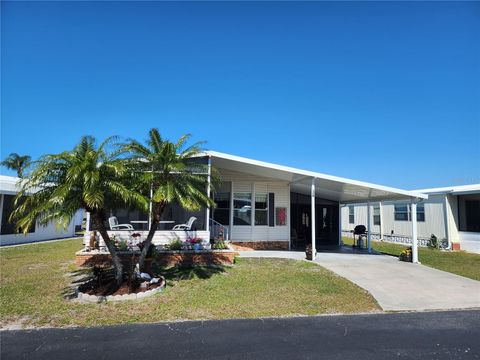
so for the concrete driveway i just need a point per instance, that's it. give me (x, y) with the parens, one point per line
(396, 285)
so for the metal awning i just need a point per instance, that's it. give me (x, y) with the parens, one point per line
(327, 187)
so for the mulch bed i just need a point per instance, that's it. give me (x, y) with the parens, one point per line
(104, 284)
(105, 289)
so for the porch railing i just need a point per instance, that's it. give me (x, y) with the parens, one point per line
(219, 231)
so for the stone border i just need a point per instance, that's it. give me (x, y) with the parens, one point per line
(137, 296)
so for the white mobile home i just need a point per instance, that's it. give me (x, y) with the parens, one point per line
(264, 206)
(8, 236)
(451, 213)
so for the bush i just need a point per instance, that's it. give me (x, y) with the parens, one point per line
(175, 244)
(219, 245)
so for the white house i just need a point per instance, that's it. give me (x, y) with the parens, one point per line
(8, 190)
(266, 206)
(451, 213)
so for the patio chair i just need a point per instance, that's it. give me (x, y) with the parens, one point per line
(114, 225)
(187, 226)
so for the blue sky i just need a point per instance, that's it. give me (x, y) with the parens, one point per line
(383, 92)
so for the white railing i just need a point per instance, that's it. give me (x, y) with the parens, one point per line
(396, 239)
(219, 231)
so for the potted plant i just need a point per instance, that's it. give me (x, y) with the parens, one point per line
(308, 252)
(406, 255)
(196, 243)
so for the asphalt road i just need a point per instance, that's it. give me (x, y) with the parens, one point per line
(433, 335)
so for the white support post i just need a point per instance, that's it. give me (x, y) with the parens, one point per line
(207, 212)
(87, 223)
(312, 220)
(413, 215)
(369, 227)
(339, 224)
(230, 228)
(150, 208)
(380, 209)
(150, 205)
(1, 208)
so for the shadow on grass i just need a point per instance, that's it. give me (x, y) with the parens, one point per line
(77, 277)
(179, 273)
(172, 274)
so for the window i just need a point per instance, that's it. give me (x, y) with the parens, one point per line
(8, 228)
(242, 208)
(221, 212)
(403, 212)
(421, 212)
(376, 215)
(261, 209)
(351, 215)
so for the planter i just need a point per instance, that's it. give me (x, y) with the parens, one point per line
(406, 258)
(308, 252)
(133, 296)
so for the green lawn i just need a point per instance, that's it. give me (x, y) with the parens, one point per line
(456, 262)
(34, 279)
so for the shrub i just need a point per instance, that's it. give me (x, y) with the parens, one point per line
(175, 244)
(219, 245)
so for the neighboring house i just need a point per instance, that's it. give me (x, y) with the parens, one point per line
(265, 206)
(8, 190)
(451, 213)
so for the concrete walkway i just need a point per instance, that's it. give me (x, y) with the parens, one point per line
(396, 285)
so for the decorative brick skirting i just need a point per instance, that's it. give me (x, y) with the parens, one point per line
(455, 246)
(260, 245)
(164, 258)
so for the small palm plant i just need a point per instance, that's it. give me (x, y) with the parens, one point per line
(90, 177)
(17, 162)
(168, 173)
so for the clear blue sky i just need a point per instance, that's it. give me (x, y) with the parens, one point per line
(383, 92)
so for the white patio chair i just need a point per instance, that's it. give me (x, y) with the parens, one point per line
(187, 226)
(114, 225)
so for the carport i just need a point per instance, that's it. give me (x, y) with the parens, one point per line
(339, 190)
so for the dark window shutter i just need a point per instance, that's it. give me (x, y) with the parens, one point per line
(271, 209)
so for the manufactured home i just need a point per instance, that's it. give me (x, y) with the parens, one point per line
(450, 213)
(263, 206)
(8, 236)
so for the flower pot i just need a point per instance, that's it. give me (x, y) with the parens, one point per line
(197, 247)
(308, 252)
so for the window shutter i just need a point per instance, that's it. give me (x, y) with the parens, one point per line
(271, 209)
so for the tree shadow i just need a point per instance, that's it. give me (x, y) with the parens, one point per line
(185, 272)
(77, 278)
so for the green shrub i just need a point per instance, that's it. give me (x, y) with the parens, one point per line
(175, 244)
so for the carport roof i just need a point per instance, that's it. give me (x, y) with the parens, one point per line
(326, 186)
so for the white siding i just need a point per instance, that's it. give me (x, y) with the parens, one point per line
(434, 219)
(41, 233)
(248, 183)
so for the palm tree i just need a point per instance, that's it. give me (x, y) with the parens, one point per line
(16, 162)
(167, 171)
(90, 177)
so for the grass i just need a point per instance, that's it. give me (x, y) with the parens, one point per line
(35, 281)
(456, 262)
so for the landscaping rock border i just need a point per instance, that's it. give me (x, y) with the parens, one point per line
(137, 296)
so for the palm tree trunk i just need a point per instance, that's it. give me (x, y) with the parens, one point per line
(117, 264)
(157, 214)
